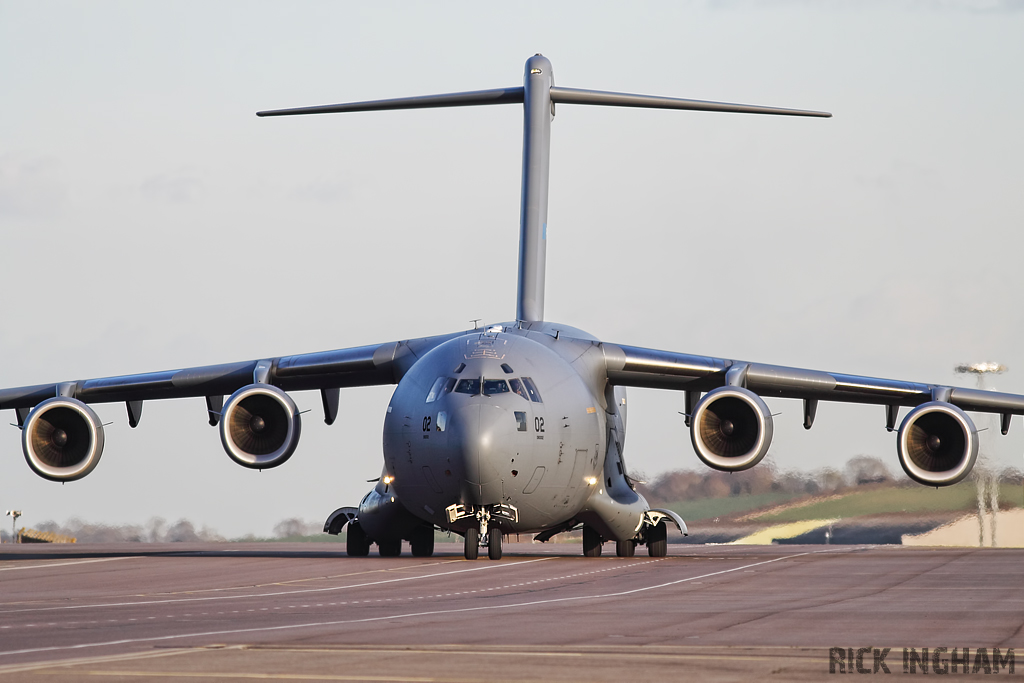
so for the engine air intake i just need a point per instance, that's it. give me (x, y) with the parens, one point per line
(937, 444)
(260, 426)
(62, 439)
(731, 429)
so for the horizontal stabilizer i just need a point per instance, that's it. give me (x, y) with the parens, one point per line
(615, 99)
(456, 99)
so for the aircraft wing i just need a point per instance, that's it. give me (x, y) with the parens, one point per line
(640, 367)
(327, 370)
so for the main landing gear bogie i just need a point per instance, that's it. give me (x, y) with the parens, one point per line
(390, 548)
(656, 539)
(592, 542)
(625, 548)
(357, 543)
(422, 541)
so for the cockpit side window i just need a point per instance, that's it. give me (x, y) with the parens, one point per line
(435, 389)
(531, 389)
(495, 386)
(442, 386)
(518, 388)
(468, 386)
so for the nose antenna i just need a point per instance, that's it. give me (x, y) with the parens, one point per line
(538, 95)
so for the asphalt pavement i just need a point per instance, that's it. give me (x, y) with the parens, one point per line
(274, 611)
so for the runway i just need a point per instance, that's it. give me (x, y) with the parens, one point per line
(306, 612)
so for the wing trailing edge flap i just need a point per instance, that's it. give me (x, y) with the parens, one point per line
(651, 368)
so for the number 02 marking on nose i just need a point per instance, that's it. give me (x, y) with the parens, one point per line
(426, 423)
(538, 424)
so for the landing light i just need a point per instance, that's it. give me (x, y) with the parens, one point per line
(388, 479)
(591, 480)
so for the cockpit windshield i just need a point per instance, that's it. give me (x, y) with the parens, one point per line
(521, 386)
(495, 386)
(468, 386)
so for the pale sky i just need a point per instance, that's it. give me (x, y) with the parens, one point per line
(150, 221)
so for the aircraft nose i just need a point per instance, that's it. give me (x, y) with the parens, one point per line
(480, 436)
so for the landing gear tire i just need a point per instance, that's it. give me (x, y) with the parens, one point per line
(494, 543)
(472, 549)
(591, 542)
(390, 548)
(625, 548)
(422, 541)
(657, 540)
(356, 543)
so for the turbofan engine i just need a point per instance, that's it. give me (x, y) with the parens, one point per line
(731, 429)
(937, 444)
(260, 426)
(62, 439)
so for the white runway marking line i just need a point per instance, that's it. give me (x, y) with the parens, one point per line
(20, 668)
(327, 577)
(271, 595)
(290, 627)
(417, 597)
(65, 564)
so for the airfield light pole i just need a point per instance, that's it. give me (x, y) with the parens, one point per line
(14, 514)
(984, 478)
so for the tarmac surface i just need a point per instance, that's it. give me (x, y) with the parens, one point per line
(222, 612)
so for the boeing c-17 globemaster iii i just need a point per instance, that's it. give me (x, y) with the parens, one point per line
(514, 427)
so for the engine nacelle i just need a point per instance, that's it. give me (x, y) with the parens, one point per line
(731, 429)
(260, 426)
(62, 439)
(937, 444)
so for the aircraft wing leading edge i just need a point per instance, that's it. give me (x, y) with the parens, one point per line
(371, 365)
(640, 367)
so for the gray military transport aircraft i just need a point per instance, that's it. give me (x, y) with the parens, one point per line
(516, 427)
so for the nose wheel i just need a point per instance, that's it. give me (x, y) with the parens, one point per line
(494, 543)
(493, 536)
(472, 549)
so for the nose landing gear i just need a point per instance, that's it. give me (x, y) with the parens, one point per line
(485, 533)
(493, 543)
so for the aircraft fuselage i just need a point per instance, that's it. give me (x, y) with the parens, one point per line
(503, 417)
